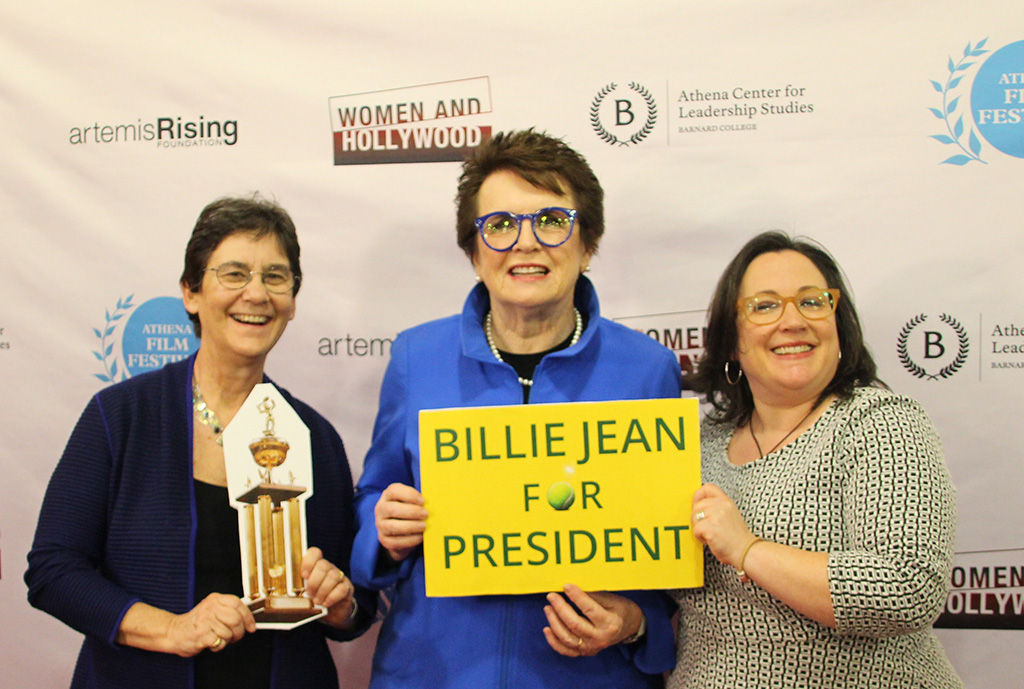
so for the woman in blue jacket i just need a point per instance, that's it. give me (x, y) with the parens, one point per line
(530, 216)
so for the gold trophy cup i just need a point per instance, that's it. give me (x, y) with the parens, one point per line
(271, 549)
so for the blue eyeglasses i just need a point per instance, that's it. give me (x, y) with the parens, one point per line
(551, 226)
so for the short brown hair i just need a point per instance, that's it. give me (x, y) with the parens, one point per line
(228, 216)
(543, 161)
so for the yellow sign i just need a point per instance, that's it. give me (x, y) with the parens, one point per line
(527, 498)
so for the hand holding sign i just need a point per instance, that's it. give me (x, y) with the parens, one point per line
(719, 525)
(401, 520)
(607, 619)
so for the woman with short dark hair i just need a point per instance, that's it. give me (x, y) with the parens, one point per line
(137, 544)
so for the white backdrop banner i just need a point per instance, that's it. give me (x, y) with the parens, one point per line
(893, 134)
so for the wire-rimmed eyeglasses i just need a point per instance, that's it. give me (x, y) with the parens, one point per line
(235, 275)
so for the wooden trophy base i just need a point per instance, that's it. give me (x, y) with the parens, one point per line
(277, 493)
(283, 609)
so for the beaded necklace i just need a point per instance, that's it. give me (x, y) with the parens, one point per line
(205, 414)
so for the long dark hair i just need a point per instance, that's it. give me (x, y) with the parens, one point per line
(733, 403)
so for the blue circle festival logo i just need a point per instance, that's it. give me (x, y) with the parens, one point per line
(150, 334)
(995, 103)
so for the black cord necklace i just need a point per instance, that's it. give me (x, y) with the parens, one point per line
(758, 445)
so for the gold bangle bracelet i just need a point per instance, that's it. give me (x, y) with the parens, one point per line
(742, 573)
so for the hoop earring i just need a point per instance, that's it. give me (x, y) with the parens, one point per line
(729, 380)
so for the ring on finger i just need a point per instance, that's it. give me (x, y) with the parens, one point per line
(700, 516)
(579, 643)
(217, 643)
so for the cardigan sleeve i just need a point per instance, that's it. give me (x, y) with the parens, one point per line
(386, 462)
(65, 575)
(899, 514)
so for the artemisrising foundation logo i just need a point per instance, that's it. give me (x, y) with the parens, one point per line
(136, 338)
(982, 103)
(164, 132)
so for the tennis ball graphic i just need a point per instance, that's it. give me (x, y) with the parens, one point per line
(561, 495)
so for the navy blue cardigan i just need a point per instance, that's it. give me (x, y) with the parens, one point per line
(118, 525)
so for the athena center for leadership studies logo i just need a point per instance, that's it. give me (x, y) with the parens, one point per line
(982, 102)
(623, 114)
(933, 348)
(136, 338)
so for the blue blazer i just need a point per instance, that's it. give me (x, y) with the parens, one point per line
(496, 641)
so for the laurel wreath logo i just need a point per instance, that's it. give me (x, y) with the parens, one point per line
(111, 374)
(946, 371)
(957, 130)
(639, 135)
(652, 113)
(595, 115)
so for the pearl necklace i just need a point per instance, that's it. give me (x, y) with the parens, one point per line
(527, 382)
(204, 413)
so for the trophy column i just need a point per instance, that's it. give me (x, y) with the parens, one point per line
(274, 547)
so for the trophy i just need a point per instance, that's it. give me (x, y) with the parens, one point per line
(271, 510)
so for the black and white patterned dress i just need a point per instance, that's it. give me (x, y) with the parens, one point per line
(868, 484)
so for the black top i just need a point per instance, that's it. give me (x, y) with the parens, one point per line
(526, 364)
(245, 663)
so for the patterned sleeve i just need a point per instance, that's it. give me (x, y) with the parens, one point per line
(891, 573)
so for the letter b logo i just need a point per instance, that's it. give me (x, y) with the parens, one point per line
(623, 113)
(622, 119)
(933, 347)
(946, 347)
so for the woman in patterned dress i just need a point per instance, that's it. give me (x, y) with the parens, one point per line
(827, 507)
